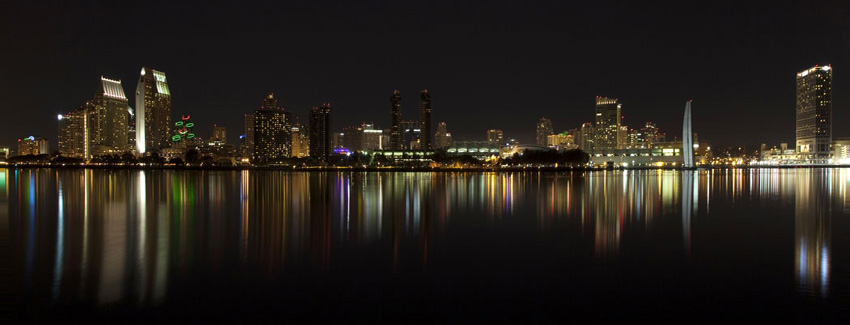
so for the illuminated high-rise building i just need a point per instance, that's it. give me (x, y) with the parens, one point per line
(410, 134)
(442, 139)
(106, 120)
(272, 132)
(320, 132)
(248, 140)
(814, 113)
(495, 137)
(72, 130)
(396, 140)
(300, 141)
(219, 133)
(425, 120)
(544, 130)
(153, 112)
(587, 134)
(607, 126)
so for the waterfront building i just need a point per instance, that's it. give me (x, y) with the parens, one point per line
(410, 134)
(544, 130)
(300, 141)
(72, 130)
(607, 125)
(496, 137)
(33, 145)
(561, 141)
(814, 113)
(442, 138)
(396, 139)
(425, 121)
(153, 111)
(272, 132)
(219, 133)
(320, 132)
(587, 136)
(106, 120)
(248, 139)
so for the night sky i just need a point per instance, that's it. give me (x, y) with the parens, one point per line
(488, 64)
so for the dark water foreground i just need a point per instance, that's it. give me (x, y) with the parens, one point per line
(691, 246)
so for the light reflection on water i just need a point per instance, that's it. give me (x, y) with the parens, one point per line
(110, 236)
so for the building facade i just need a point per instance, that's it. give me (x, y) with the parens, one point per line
(300, 141)
(607, 124)
(495, 137)
(272, 133)
(544, 130)
(72, 134)
(396, 140)
(320, 132)
(33, 145)
(153, 111)
(106, 120)
(814, 113)
(425, 121)
(443, 138)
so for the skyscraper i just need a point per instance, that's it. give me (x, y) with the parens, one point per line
(544, 130)
(248, 146)
(219, 133)
(495, 137)
(33, 145)
(153, 111)
(425, 120)
(72, 140)
(442, 139)
(300, 141)
(106, 120)
(607, 124)
(814, 113)
(395, 121)
(272, 132)
(410, 134)
(320, 132)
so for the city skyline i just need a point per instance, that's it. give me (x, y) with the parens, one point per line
(505, 75)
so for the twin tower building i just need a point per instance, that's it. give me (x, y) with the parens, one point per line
(108, 125)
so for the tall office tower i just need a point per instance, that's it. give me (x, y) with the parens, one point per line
(107, 120)
(623, 137)
(442, 139)
(320, 132)
(300, 141)
(649, 135)
(272, 132)
(219, 133)
(544, 130)
(248, 146)
(814, 113)
(131, 129)
(395, 122)
(607, 123)
(153, 112)
(496, 137)
(587, 137)
(72, 139)
(425, 120)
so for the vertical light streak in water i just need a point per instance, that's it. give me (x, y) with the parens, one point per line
(60, 240)
(141, 258)
(244, 192)
(31, 229)
(162, 248)
(85, 262)
(416, 202)
(687, 208)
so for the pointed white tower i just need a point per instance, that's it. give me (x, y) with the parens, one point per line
(687, 138)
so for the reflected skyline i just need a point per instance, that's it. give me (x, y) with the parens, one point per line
(132, 237)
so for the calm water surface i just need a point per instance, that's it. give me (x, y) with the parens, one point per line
(241, 245)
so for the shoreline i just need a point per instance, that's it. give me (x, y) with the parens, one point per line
(402, 169)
